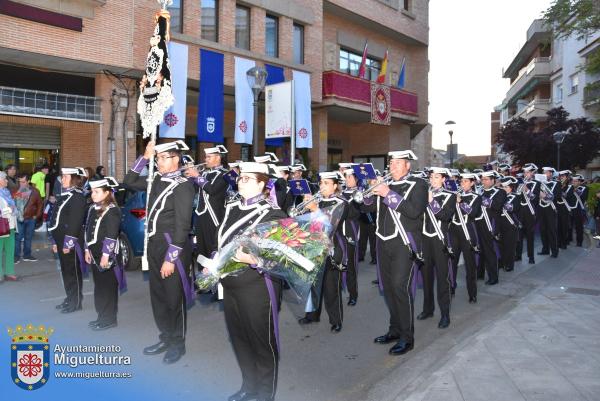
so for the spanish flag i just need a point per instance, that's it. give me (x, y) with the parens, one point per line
(383, 71)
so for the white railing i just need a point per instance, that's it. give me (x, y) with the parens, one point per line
(49, 104)
(541, 105)
(530, 67)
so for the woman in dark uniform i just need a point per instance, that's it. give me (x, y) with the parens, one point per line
(101, 250)
(336, 264)
(66, 230)
(248, 306)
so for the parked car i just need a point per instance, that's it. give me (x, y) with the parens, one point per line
(133, 217)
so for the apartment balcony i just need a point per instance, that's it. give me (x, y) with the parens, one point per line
(344, 90)
(61, 106)
(536, 108)
(591, 95)
(536, 72)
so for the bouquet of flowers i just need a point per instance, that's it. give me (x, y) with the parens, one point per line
(292, 249)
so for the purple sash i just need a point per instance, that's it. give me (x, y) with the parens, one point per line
(188, 286)
(274, 309)
(340, 239)
(417, 276)
(82, 265)
(121, 280)
(377, 254)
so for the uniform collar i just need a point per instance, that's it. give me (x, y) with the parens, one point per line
(172, 174)
(253, 200)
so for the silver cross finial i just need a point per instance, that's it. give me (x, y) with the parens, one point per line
(165, 3)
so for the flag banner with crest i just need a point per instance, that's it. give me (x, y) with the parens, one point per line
(275, 75)
(380, 104)
(303, 110)
(244, 112)
(210, 100)
(173, 125)
(279, 110)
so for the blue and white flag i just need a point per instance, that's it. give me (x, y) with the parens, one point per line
(210, 100)
(302, 101)
(274, 76)
(173, 124)
(402, 75)
(244, 113)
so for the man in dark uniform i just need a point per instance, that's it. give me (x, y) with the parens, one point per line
(509, 224)
(579, 212)
(169, 219)
(492, 201)
(212, 192)
(530, 199)
(351, 231)
(548, 217)
(400, 206)
(565, 204)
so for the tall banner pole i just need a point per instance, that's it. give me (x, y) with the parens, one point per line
(156, 96)
(293, 136)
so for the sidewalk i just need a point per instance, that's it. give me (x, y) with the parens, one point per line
(546, 348)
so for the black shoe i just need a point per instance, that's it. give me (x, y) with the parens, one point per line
(444, 322)
(361, 259)
(481, 277)
(452, 291)
(373, 261)
(242, 396)
(93, 323)
(70, 309)
(543, 252)
(518, 259)
(424, 315)
(491, 282)
(473, 299)
(376, 282)
(509, 269)
(307, 320)
(352, 302)
(554, 255)
(578, 245)
(336, 328)
(563, 247)
(156, 349)
(401, 348)
(62, 306)
(104, 326)
(386, 338)
(173, 354)
(531, 261)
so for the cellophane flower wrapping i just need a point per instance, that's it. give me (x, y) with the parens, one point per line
(291, 249)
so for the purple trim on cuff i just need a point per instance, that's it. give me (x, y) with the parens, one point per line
(69, 242)
(549, 197)
(200, 181)
(139, 164)
(486, 202)
(531, 194)
(108, 246)
(173, 253)
(508, 206)
(368, 201)
(392, 199)
(435, 206)
(466, 208)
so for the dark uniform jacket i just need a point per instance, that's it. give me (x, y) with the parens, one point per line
(66, 223)
(102, 232)
(211, 194)
(443, 207)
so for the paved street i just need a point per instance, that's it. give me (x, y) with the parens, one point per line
(532, 337)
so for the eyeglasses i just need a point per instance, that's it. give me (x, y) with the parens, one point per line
(163, 158)
(245, 178)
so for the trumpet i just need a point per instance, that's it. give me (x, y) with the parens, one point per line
(301, 208)
(195, 166)
(360, 196)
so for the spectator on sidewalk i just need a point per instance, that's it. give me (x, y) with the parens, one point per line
(11, 176)
(99, 173)
(29, 208)
(7, 242)
(38, 180)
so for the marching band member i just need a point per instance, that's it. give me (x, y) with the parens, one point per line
(548, 214)
(509, 224)
(212, 191)
(250, 298)
(579, 212)
(170, 208)
(66, 229)
(285, 198)
(529, 202)
(352, 233)
(331, 294)
(566, 200)
(101, 250)
(492, 201)
(400, 206)
(463, 233)
(439, 212)
(296, 172)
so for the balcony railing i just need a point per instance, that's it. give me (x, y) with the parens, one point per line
(536, 108)
(591, 95)
(539, 69)
(347, 88)
(49, 104)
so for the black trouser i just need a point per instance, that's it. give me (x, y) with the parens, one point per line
(461, 245)
(367, 233)
(397, 270)
(509, 235)
(578, 219)
(488, 251)
(206, 235)
(106, 294)
(563, 225)
(351, 273)
(166, 295)
(436, 265)
(331, 294)
(72, 278)
(248, 315)
(548, 229)
(527, 232)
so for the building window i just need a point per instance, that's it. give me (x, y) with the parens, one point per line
(298, 44)
(407, 5)
(176, 11)
(558, 96)
(574, 83)
(209, 18)
(242, 27)
(350, 64)
(271, 36)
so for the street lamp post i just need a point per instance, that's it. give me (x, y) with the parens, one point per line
(450, 132)
(559, 137)
(257, 77)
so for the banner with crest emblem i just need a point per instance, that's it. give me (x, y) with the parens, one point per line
(210, 100)
(380, 104)
(173, 124)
